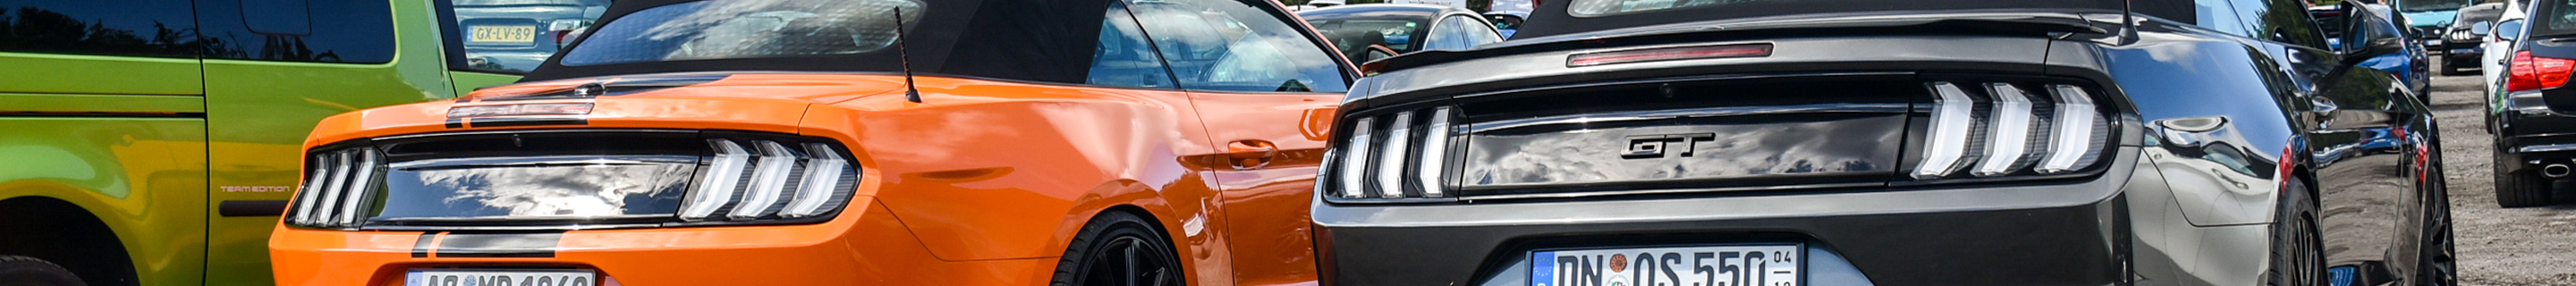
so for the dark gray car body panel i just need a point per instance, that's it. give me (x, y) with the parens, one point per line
(2214, 126)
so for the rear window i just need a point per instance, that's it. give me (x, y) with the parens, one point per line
(2554, 18)
(745, 29)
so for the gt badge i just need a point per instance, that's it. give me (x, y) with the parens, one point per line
(1654, 146)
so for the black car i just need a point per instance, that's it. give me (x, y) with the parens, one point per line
(1887, 142)
(2462, 42)
(2534, 117)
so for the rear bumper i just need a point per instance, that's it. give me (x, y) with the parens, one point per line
(863, 247)
(2072, 232)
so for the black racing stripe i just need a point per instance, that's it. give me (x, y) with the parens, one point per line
(455, 123)
(527, 121)
(517, 244)
(251, 208)
(420, 248)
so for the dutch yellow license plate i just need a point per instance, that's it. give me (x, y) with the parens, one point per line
(503, 34)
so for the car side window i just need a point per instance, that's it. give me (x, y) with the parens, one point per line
(151, 28)
(1457, 33)
(329, 31)
(2220, 15)
(2284, 21)
(1124, 58)
(513, 36)
(1224, 45)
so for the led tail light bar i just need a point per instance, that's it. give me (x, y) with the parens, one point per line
(2059, 132)
(1407, 160)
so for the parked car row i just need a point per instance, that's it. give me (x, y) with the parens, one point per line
(1233, 142)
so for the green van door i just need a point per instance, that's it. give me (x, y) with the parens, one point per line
(153, 142)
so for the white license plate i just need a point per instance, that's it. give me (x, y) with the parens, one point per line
(501, 277)
(503, 34)
(1733, 265)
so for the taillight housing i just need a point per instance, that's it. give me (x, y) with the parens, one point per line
(574, 179)
(1394, 156)
(2535, 73)
(1997, 129)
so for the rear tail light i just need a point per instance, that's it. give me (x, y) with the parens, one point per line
(2533, 73)
(567, 29)
(336, 187)
(1400, 156)
(2007, 131)
(777, 181)
(740, 179)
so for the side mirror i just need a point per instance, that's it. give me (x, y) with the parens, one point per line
(1378, 52)
(2482, 28)
(2510, 30)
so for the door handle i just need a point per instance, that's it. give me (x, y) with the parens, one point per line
(1250, 153)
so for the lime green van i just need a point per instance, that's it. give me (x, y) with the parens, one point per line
(154, 142)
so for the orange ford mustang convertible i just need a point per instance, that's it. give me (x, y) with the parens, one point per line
(787, 142)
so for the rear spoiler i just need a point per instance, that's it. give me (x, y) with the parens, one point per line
(2015, 23)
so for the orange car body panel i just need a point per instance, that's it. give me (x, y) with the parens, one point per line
(984, 183)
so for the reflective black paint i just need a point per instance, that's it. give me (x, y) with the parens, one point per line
(2218, 124)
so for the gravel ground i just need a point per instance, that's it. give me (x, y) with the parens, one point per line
(2521, 246)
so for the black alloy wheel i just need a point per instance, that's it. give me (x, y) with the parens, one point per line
(2440, 260)
(1119, 249)
(2298, 251)
(29, 271)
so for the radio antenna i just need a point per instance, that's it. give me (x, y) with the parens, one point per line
(904, 57)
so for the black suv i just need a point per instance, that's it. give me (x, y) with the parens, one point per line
(2534, 117)
(1888, 142)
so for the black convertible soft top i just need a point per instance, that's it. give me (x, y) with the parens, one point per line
(1029, 40)
(1560, 17)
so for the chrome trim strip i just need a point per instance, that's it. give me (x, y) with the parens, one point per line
(2545, 148)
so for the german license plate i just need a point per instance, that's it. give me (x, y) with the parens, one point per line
(1733, 265)
(503, 34)
(501, 277)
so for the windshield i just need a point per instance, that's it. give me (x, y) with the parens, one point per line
(2432, 5)
(745, 29)
(1356, 34)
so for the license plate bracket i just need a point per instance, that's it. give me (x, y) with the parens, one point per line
(1773, 264)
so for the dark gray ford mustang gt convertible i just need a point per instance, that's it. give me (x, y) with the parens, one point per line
(1889, 142)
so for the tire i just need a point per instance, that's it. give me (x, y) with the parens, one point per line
(29, 271)
(2518, 189)
(2298, 251)
(1119, 249)
(2439, 261)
